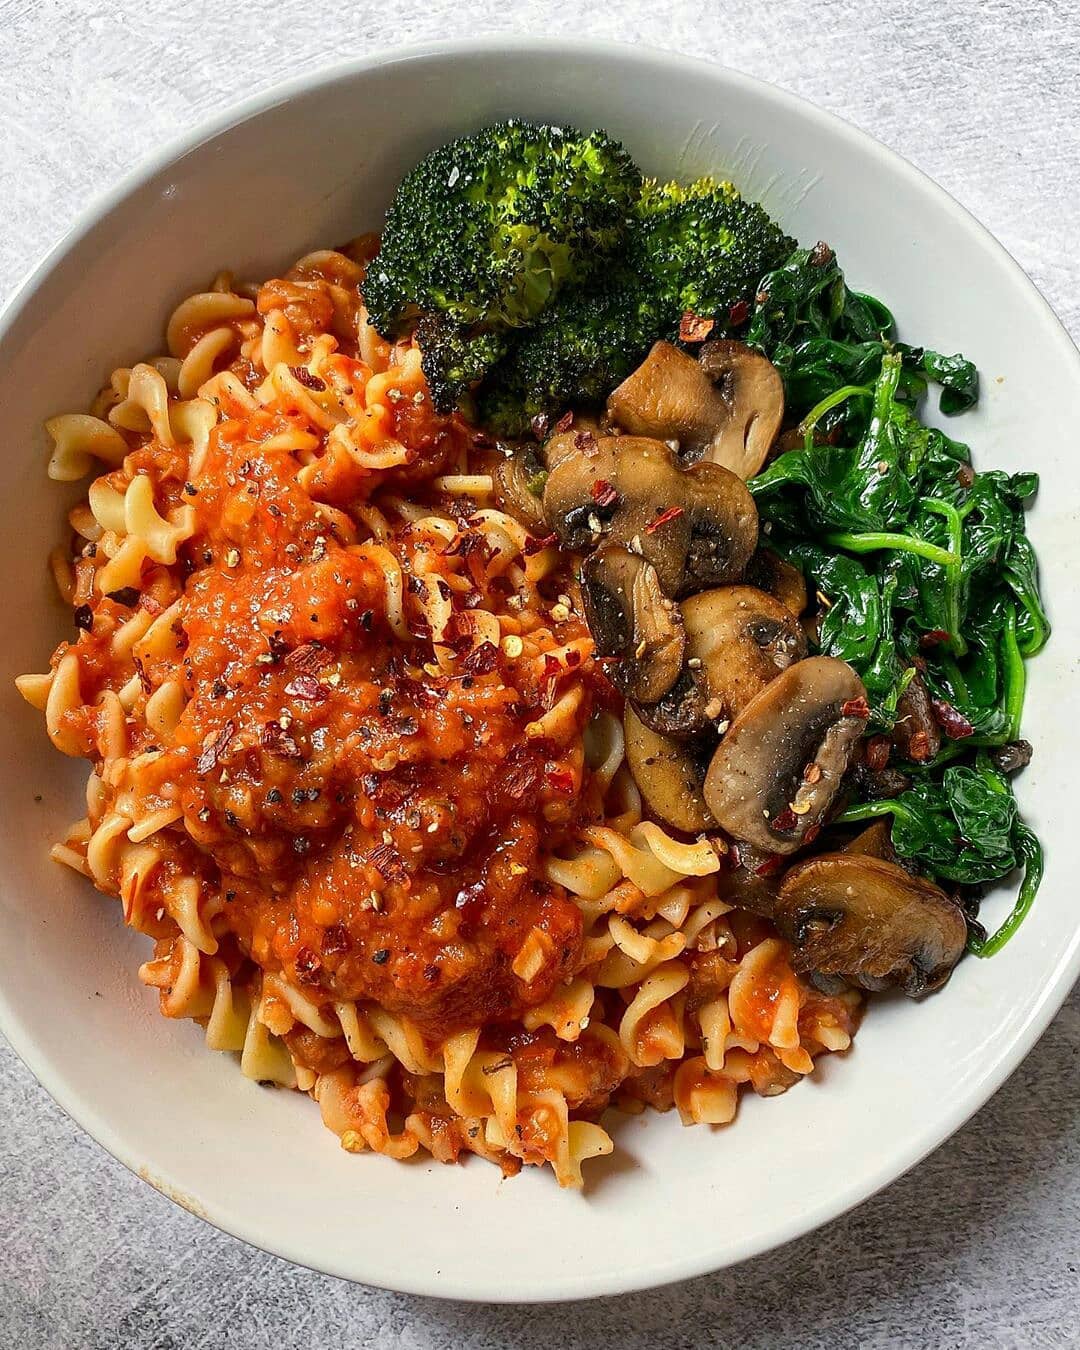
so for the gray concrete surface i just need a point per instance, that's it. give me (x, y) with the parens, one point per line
(979, 1246)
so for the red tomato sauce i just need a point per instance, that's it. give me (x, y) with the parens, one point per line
(376, 820)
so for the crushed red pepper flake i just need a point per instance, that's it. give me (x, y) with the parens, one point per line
(211, 753)
(876, 753)
(481, 660)
(521, 779)
(786, 820)
(603, 493)
(665, 518)
(274, 738)
(934, 638)
(919, 747)
(307, 379)
(694, 328)
(387, 862)
(307, 688)
(768, 866)
(308, 658)
(335, 940)
(565, 422)
(855, 707)
(308, 966)
(738, 313)
(533, 545)
(587, 443)
(561, 780)
(553, 671)
(952, 722)
(463, 544)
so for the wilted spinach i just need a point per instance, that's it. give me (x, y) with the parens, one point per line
(919, 562)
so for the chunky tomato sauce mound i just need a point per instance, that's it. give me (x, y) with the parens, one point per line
(374, 805)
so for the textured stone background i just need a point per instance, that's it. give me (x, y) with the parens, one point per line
(979, 1246)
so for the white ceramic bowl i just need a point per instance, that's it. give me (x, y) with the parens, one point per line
(314, 163)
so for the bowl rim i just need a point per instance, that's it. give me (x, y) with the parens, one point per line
(697, 1259)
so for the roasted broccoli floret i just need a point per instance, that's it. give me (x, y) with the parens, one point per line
(588, 342)
(485, 230)
(703, 246)
(455, 359)
(700, 248)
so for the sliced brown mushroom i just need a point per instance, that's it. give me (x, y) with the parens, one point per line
(754, 392)
(670, 397)
(723, 526)
(631, 618)
(697, 528)
(873, 842)
(770, 573)
(726, 408)
(871, 923)
(778, 768)
(681, 711)
(577, 439)
(738, 639)
(916, 733)
(751, 880)
(519, 487)
(669, 774)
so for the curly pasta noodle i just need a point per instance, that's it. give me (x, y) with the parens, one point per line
(356, 772)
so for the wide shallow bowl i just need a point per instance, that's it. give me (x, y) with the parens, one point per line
(309, 165)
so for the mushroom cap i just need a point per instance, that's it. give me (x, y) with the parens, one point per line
(778, 768)
(725, 408)
(670, 397)
(630, 618)
(737, 640)
(753, 390)
(696, 528)
(870, 922)
(515, 478)
(614, 489)
(723, 526)
(669, 775)
(741, 639)
(777, 577)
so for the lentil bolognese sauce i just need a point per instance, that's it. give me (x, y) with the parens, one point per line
(358, 771)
